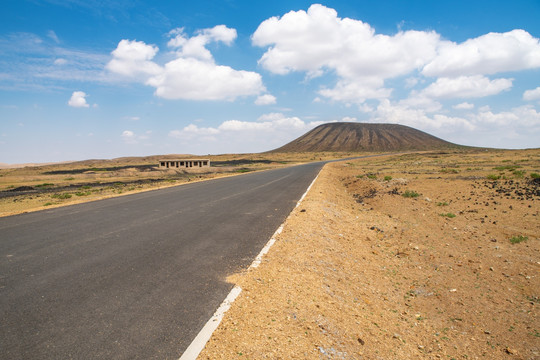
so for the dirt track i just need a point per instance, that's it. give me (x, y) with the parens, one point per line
(362, 272)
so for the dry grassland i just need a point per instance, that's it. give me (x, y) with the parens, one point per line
(432, 256)
(32, 188)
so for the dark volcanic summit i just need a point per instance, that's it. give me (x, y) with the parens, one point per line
(354, 137)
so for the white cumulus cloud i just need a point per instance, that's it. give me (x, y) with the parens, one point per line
(132, 59)
(196, 45)
(268, 132)
(192, 79)
(78, 99)
(464, 106)
(519, 116)
(466, 87)
(129, 137)
(193, 74)
(488, 54)
(403, 113)
(318, 40)
(531, 95)
(265, 99)
(128, 134)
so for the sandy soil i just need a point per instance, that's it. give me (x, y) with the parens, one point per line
(362, 272)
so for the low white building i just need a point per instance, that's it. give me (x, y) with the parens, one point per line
(183, 163)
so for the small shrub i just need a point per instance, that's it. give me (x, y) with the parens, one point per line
(359, 176)
(449, 171)
(61, 196)
(519, 173)
(86, 187)
(70, 178)
(387, 178)
(518, 239)
(507, 167)
(493, 177)
(444, 203)
(48, 204)
(83, 193)
(448, 215)
(44, 185)
(410, 194)
(371, 176)
(535, 175)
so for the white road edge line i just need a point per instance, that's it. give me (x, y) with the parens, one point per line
(198, 344)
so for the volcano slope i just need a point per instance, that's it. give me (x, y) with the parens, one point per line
(359, 137)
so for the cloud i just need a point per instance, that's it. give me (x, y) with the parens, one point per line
(356, 91)
(463, 106)
(195, 46)
(53, 36)
(129, 137)
(78, 99)
(132, 59)
(520, 116)
(192, 79)
(270, 131)
(318, 40)
(403, 113)
(31, 62)
(193, 129)
(193, 74)
(60, 61)
(411, 82)
(511, 128)
(128, 134)
(530, 95)
(466, 87)
(420, 101)
(265, 99)
(488, 54)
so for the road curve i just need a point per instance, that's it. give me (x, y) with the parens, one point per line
(134, 277)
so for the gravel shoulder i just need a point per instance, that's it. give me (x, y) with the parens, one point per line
(366, 269)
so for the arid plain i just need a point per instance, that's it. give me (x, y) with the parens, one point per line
(38, 187)
(432, 256)
(429, 255)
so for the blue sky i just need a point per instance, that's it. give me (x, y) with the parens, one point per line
(103, 79)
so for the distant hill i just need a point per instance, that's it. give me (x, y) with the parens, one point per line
(354, 137)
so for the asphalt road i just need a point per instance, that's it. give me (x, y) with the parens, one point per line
(134, 277)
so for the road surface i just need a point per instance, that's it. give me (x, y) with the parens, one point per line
(135, 276)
